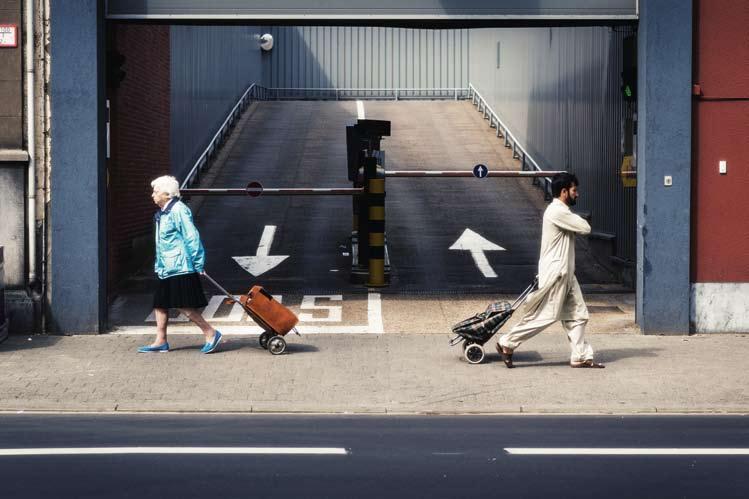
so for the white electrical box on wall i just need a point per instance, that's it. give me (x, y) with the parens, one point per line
(723, 167)
(8, 35)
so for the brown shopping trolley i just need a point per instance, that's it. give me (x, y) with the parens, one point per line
(275, 319)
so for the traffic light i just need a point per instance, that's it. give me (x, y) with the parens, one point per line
(115, 73)
(629, 69)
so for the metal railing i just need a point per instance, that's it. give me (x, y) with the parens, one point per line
(503, 132)
(343, 93)
(276, 191)
(259, 92)
(468, 173)
(253, 92)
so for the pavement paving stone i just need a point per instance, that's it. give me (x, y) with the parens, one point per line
(387, 373)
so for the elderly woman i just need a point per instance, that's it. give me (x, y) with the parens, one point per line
(179, 259)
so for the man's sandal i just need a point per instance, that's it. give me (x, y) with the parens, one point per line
(506, 357)
(587, 364)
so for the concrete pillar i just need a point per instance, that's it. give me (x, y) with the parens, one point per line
(77, 185)
(664, 150)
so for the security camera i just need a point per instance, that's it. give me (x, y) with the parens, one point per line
(266, 42)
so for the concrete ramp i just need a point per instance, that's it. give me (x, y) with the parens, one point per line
(454, 236)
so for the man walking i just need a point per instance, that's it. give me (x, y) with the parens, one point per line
(558, 297)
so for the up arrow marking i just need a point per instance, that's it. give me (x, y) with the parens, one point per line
(262, 262)
(477, 245)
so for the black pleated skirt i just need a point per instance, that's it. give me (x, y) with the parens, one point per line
(180, 291)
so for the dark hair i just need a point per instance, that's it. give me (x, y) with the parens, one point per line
(562, 181)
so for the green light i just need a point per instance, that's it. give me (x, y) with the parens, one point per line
(627, 91)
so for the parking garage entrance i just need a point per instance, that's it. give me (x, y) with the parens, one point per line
(219, 106)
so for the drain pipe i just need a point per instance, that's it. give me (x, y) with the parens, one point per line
(30, 139)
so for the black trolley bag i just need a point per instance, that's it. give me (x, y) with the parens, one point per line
(475, 331)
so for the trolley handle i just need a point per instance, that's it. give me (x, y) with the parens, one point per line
(532, 287)
(228, 295)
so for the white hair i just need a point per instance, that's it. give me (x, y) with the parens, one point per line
(168, 185)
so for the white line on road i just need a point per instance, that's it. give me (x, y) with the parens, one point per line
(76, 451)
(374, 313)
(360, 109)
(614, 451)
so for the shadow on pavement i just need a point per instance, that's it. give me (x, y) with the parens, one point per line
(614, 354)
(28, 342)
(605, 356)
(301, 348)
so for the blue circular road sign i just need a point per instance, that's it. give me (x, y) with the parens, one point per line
(480, 171)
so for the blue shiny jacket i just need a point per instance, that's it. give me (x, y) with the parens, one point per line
(178, 247)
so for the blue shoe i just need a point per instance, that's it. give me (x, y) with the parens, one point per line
(211, 346)
(149, 349)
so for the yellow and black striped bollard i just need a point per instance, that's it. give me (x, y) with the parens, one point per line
(376, 202)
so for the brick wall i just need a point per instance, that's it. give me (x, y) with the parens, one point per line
(139, 144)
(720, 233)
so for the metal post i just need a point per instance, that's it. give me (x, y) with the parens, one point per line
(376, 204)
(3, 318)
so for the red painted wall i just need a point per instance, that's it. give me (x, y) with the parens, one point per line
(720, 203)
(140, 124)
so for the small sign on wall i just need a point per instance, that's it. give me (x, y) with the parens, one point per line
(8, 35)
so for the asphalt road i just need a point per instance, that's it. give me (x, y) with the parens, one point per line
(302, 144)
(372, 456)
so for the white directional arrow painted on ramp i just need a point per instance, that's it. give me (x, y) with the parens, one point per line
(477, 245)
(262, 262)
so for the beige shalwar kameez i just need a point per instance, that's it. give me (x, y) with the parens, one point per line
(558, 297)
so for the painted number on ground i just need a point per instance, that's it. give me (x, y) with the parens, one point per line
(328, 309)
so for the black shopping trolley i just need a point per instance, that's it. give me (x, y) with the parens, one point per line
(475, 331)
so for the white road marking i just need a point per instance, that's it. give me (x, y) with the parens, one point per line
(360, 109)
(262, 262)
(625, 451)
(233, 330)
(78, 451)
(477, 245)
(238, 315)
(335, 312)
(180, 318)
(374, 313)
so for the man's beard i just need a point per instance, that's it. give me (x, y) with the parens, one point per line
(571, 201)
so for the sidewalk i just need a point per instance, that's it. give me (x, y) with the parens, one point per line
(367, 373)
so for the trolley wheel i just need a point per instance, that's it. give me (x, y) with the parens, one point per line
(264, 337)
(474, 353)
(277, 345)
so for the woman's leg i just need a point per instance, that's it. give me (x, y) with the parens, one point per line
(197, 319)
(162, 319)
